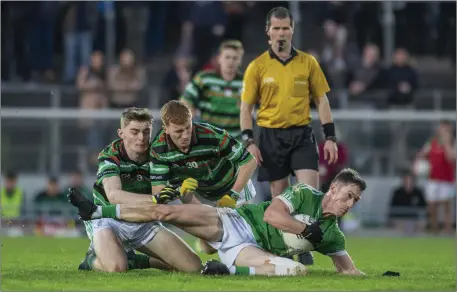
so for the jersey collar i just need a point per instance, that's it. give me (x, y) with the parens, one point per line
(273, 55)
(193, 140)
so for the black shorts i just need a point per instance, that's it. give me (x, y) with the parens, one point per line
(286, 150)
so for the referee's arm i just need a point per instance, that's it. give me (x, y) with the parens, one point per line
(319, 88)
(251, 85)
(249, 96)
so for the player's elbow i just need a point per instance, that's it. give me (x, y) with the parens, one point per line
(113, 196)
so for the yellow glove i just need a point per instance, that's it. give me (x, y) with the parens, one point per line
(166, 195)
(226, 201)
(188, 185)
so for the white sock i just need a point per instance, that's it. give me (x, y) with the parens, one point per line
(287, 267)
(97, 214)
(118, 211)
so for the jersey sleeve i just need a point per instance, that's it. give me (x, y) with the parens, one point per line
(232, 149)
(251, 84)
(317, 81)
(159, 172)
(292, 198)
(108, 166)
(193, 91)
(333, 242)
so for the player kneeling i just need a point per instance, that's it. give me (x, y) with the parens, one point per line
(253, 239)
(123, 176)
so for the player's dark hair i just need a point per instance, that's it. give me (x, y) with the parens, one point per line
(445, 123)
(11, 175)
(136, 114)
(280, 13)
(350, 176)
(53, 180)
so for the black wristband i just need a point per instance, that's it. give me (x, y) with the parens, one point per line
(247, 134)
(329, 130)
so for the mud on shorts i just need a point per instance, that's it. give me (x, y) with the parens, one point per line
(131, 235)
(237, 235)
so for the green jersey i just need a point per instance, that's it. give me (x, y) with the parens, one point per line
(300, 199)
(114, 161)
(218, 100)
(213, 159)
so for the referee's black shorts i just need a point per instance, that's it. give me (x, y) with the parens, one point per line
(286, 150)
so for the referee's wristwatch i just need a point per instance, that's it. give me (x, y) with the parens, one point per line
(247, 136)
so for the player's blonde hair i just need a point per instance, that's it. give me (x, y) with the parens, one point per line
(175, 112)
(231, 44)
(136, 114)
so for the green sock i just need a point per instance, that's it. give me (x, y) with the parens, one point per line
(90, 261)
(246, 271)
(140, 261)
(109, 211)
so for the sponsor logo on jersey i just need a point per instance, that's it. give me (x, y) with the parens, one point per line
(268, 80)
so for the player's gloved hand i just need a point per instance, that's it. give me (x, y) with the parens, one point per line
(188, 185)
(167, 194)
(229, 200)
(313, 233)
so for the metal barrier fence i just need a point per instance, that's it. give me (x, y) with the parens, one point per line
(30, 95)
(58, 141)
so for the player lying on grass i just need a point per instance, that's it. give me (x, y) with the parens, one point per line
(251, 239)
(123, 177)
(202, 159)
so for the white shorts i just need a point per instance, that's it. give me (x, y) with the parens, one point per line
(131, 235)
(237, 235)
(246, 194)
(437, 191)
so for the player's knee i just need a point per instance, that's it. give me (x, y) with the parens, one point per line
(116, 267)
(287, 267)
(206, 248)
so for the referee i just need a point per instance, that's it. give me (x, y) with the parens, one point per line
(282, 81)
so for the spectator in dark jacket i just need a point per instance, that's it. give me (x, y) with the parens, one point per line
(369, 75)
(406, 203)
(401, 79)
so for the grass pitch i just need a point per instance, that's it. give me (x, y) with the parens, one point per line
(35, 263)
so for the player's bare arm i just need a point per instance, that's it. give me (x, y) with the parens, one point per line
(157, 189)
(278, 216)
(245, 173)
(344, 265)
(190, 198)
(115, 194)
